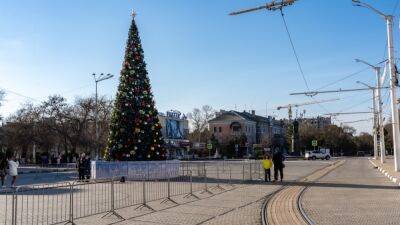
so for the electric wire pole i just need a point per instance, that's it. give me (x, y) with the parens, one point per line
(98, 79)
(380, 128)
(393, 82)
(375, 126)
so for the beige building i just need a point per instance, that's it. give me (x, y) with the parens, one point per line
(230, 125)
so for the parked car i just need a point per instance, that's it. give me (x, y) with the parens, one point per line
(318, 154)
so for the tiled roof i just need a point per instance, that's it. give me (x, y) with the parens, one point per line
(252, 117)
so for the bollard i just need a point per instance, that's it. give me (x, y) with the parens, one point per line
(112, 210)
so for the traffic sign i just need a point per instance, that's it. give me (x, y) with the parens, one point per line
(314, 143)
(209, 146)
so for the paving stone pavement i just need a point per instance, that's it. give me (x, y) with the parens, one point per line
(282, 208)
(239, 205)
(354, 193)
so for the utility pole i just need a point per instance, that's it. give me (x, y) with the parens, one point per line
(393, 82)
(375, 121)
(380, 128)
(98, 79)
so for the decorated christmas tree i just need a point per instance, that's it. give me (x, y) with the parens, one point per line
(135, 131)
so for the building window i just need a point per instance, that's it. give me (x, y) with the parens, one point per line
(220, 129)
(215, 130)
(236, 127)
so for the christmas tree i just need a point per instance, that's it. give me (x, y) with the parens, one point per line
(135, 131)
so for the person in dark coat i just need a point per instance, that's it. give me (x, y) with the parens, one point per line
(3, 167)
(87, 167)
(278, 159)
(81, 166)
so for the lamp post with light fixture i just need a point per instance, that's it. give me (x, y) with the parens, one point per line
(97, 79)
(393, 82)
(380, 128)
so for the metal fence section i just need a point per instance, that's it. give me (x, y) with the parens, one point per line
(67, 201)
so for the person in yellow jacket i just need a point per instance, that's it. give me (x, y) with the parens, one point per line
(267, 165)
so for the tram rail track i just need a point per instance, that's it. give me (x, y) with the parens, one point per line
(301, 217)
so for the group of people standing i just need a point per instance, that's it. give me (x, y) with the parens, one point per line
(277, 162)
(83, 165)
(8, 166)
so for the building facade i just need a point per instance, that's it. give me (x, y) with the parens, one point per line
(175, 130)
(258, 130)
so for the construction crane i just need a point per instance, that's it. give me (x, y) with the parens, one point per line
(290, 106)
(294, 105)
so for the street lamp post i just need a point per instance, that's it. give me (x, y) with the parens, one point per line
(375, 120)
(98, 79)
(380, 128)
(393, 83)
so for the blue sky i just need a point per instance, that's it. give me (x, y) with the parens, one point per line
(196, 54)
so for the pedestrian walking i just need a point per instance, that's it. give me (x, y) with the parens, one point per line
(13, 170)
(277, 160)
(267, 165)
(81, 167)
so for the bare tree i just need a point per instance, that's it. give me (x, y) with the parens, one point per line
(199, 120)
(57, 125)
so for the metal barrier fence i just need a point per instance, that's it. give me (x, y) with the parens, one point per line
(57, 172)
(67, 201)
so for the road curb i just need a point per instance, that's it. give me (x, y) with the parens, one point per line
(385, 173)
